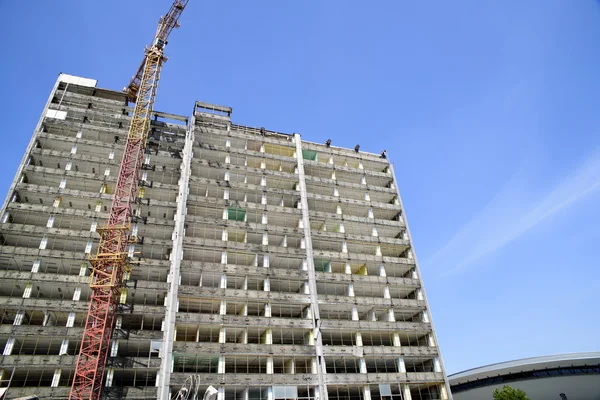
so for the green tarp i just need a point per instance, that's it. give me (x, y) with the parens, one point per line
(236, 214)
(322, 265)
(309, 155)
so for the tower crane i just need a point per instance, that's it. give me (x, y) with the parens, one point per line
(111, 262)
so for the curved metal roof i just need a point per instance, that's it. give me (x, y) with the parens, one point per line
(525, 364)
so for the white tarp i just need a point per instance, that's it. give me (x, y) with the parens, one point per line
(77, 80)
(56, 114)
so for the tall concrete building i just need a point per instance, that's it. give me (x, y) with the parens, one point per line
(263, 265)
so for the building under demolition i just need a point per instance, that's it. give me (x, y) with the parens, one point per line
(264, 265)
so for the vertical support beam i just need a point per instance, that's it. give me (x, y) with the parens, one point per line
(406, 392)
(366, 392)
(420, 277)
(30, 146)
(312, 280)
(164, 373)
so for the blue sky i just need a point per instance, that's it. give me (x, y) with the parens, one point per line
(489, 110)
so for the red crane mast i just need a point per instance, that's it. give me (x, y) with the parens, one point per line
(111, 261)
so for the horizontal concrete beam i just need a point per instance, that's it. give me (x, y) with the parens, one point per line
(242, 321)
(374, 378)
(212, 349)
(241, 295)
(247, 379)
(343, 325)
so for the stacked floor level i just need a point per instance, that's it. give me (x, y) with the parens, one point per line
(263, 265)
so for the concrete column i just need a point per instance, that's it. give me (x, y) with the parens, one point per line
(350, 290)
(56, 377)
(30, 147)
(425, 317)
(436, 365)
(431, 340)
(307, 313)
(362, 365)
(108, 378)
(244, 310)
(344, 247)
(406, 392)
(386, 292)
(401, 365)
(391, 317)
(114, 348)
(370, 214)
(382, 270)
(309, 338)
(319, 360)
(366, 392)
(354, 313)
(8, 347)
(348, 269)
(267, 336)
(223, 282)
(396, 339)
(222, 334)
(443, 392)
(415, 275)
(290, 367)
(223, 307)
(221, 393)
(371, 316)
(266, 285)
(314, 366)
(49, 319)
(245, 284)
(358, 339)
(64, 347)
(269, 365)
(243, 337)
(221, 365)
(269, 393)
(268, 309)
(244, 394)
(305, 288)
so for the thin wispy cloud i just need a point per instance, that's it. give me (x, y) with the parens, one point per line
(513, 212)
